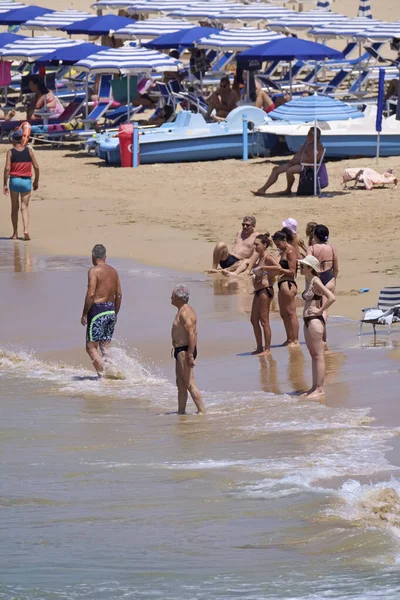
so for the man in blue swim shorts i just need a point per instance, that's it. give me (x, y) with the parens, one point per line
(102, 304)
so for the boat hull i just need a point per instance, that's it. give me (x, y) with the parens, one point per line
(352, 146)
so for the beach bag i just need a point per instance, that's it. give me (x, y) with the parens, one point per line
(323, 177)
(306, 182)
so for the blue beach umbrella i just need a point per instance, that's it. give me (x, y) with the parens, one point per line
(98, 25)
(10, 5)
(30, 49)
(128, 60)
(69, 56)
(285, 48)
(21, 15)
(185, 38)
(238, 39)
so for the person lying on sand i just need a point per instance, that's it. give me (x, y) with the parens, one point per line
(239, 258)
(293, 167)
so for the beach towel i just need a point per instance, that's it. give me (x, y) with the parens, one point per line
(387, 317)
(368, 177)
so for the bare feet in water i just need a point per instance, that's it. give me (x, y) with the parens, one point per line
(261, 352)
(313, 393)
(26, 237)
(14, 236)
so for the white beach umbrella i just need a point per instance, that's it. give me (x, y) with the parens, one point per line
(30, 49)
(238, 39)
(128, 59)
(204, 9)
(151, 28)
(381, 32)
(57, 19)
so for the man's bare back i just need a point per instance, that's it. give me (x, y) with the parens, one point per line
(106, 280)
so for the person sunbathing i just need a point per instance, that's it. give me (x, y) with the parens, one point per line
(240, 258)
(42, 98)
(223, 100)
(293, 167)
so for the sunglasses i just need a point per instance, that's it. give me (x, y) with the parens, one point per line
(246, 224)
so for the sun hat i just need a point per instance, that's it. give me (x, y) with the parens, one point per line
(311, 261)
(291, 224)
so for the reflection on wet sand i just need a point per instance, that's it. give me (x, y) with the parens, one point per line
(240, 288)
(269, 375)
(22, 258)
(296, 370)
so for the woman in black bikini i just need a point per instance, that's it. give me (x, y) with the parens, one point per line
(264, 272)
(287, 288)
(327, 257)
(314, 322)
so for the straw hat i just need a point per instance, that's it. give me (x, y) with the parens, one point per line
(312, 262)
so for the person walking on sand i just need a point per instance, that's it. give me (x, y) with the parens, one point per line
(102, 304)
(184, 341)
(242, 250)
(264, 272)
(287, 287)
(293, 167)
(314, 322)
(18, 181)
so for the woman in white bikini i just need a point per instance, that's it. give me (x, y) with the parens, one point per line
(314, 322)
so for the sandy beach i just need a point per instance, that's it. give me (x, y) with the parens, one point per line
(172, 215)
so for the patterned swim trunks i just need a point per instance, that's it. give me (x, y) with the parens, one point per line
(101, 322)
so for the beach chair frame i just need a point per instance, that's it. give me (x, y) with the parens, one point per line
(389, 297)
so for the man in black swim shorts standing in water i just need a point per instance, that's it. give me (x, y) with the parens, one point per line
(102, 304)
(184, 341)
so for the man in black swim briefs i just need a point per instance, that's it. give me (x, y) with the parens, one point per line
(184, 340)
(241, 252)
(102, 304)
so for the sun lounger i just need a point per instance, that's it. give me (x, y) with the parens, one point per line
(386, 312)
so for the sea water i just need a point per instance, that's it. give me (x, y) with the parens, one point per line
(106, 493)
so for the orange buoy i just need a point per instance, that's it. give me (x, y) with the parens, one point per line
(25, 128)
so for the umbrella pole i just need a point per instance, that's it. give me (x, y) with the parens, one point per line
(315, 157)
(87, 95)
(378, 147)
(359, 66)
(128, 97)
(290, 79)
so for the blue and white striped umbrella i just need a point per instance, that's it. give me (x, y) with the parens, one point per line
(382, 32)
(154, 6)
(113, 4)
(364, 9)
(128, 59)
(7, 5)
(324, 4)
(255, 12)
(30, 49)
(307, 20)
(57, 19)
(152, 28)
(238, 39)
(204, 9)
(348, 29)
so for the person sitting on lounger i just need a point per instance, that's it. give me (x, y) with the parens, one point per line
(293, 167)
(239, 258)
(42, 98)
(223, 100)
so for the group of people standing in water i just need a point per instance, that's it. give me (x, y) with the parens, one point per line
(317, 262)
